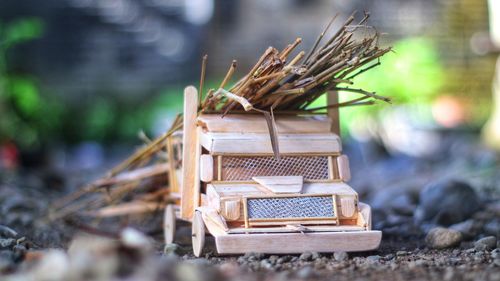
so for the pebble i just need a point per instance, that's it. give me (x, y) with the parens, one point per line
(305, 272)
(441, 238)
(306, 256)
(493, 228)
(253, 256)
(401, 253)
(340, 256)
(486, 243)
(373, 259)
(469, 228)
(443, 203)
(283, 259)
(171, 249)
(7, 243)
(495, 254)
(266, 264)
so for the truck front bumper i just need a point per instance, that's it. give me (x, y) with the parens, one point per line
(290, 243)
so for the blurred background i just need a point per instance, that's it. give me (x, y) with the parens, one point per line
(80, 78)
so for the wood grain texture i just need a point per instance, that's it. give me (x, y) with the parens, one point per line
(206, 168)
(259, 143)
(169, 220)
(289, 184)
(344, 170)
(333, 112)
(251, 123)
(189, 154)
(289, 243)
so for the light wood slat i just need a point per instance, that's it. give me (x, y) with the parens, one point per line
(246, 143)
(289, 243)
(241, 123)
(288, 184)
(189, 153)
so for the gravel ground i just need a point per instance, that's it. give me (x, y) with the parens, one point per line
(440, 217)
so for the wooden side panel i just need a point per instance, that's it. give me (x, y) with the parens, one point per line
(255, 123)
(190, 174)
(232, 143)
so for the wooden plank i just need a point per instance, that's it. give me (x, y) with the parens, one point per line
(250, 123)
(289, 184)
(366, 213)
(332, 97)
(284, 229)
(253, 143)
(189, 153)
(206, 168)
(252, 189)
(289, 243)
(343, 166)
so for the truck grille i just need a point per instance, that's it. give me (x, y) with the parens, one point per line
(292, 208)
(244, 168)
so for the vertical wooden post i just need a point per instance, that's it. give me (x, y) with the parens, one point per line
(190, 182)
(332, 97)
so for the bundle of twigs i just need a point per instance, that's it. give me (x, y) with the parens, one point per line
(135, 186)
(277, 83)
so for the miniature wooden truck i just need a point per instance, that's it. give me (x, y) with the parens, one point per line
(232, 185)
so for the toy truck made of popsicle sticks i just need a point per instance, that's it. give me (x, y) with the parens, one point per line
(229, 183)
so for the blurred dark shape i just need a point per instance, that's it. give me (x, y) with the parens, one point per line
(447, 202)
(9, 156)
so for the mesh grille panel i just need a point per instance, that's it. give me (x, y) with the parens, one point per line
(290, 207)
(244, 168)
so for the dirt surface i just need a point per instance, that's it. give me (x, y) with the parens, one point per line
(456, 192)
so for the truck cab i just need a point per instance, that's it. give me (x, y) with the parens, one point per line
(250, 200)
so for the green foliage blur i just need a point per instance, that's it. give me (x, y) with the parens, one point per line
(411, 74)
(25, 116)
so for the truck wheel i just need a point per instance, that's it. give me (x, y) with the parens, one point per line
(198, 233)
(169, 224)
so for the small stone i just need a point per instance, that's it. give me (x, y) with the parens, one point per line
(254, 256)
(486, 243)
(340, 256)
(54, 265)
(135, 239)
(373, 259)
(401, 253)
(441, 238)
(493, 228)
(7, 243)
(306, 256)
(171, 249)
(266, 264)
(389, 257)
(283, 259)
(495, 253)
(305, 272)
(6, 261)
(315, 255)
(443, 203)
(19, 251)
(469, 228)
